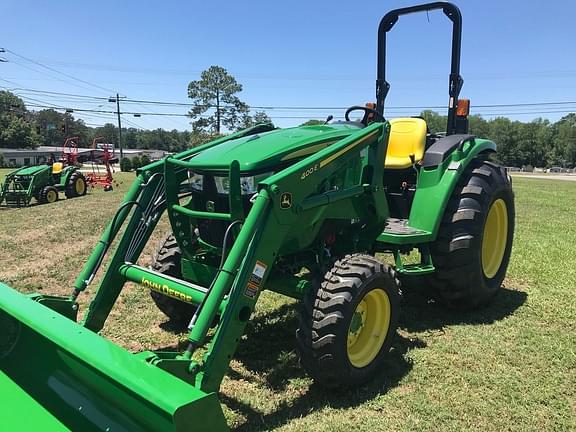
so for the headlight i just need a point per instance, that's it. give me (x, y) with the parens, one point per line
(248, 185)
(196, 181)
(222, 184)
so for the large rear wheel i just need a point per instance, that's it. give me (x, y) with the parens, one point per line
(347, 325)
(76, 185)
(474, 242)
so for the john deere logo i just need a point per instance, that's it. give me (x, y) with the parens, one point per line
(210, 206)
(286, 200)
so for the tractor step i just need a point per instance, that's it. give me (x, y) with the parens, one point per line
(400, 226)
(397, 231)
(416, 269)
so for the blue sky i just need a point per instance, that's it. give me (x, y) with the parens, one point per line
(304, 54)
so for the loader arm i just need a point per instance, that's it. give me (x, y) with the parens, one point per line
(88, 383)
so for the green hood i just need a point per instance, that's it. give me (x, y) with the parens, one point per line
(31, 170)
(269, 149)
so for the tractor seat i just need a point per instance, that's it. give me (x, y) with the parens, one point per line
(407, 138)
(57, 167)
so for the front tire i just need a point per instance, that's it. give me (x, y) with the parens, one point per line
(474, 242)
(167, 260)
(48, 195)
(348, 324)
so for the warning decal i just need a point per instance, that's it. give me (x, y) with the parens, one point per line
(251, 290)
(255, 282)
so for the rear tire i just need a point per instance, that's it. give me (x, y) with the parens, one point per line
(167, 261)
(76, 185)
(48, 195)
(474, 243)
(347, 325)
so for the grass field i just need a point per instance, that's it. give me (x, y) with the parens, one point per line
(508, 367)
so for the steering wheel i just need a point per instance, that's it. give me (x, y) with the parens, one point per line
(376, 116)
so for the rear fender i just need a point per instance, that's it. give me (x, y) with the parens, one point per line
(437, 182)
(66, 174)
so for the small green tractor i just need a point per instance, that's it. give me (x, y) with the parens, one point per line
(43, 182)
(306, 212)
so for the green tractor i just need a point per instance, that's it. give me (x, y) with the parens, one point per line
(43, 182)
(306, 212)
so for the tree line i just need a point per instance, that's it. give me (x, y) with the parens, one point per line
(538, 143)
(21, 128)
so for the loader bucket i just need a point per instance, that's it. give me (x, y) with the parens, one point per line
(57, 375)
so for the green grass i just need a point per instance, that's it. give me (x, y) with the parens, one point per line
(3, 172)
(511, 366)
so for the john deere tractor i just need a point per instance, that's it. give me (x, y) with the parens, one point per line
(42, 182)
(307, 212)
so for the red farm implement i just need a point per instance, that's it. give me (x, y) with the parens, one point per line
(98, 176)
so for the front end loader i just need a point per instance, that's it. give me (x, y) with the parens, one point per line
(307, 212)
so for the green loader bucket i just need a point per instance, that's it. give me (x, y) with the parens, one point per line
(57, 375)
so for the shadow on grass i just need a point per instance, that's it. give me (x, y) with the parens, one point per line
(395, 367)
(268, 350)
(7, 208)
(174, 327)
(421, 313)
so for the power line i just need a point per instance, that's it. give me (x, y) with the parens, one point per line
(50, 105)
(46, 92)
(44, 74)
(130, 122)
(82, 110)
(58, 72)
(301, 108)
(310, 77)
(44, 102)
(11, 82)
(254, 107)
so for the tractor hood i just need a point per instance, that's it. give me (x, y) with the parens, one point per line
(281, 146)
(29, 171)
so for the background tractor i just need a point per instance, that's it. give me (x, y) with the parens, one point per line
(44, 182)
(306, 212)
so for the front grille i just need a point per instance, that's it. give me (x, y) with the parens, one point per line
(212, 231)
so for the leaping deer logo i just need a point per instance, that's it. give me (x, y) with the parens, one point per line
(286, 200)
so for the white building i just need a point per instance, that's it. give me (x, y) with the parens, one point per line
(41, 154)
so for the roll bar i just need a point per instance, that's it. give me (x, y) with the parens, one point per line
(456, 81)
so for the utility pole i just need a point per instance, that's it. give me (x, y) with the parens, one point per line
(66, 124)
(117, 100)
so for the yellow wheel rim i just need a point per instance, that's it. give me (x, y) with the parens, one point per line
(80, 186)
(495, 238)
(51, 196)
(368, 328)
